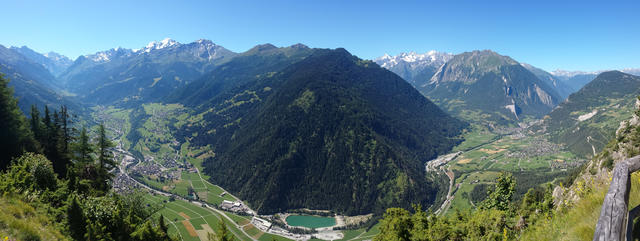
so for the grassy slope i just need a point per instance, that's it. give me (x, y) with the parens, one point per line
(21, 221)
(579, 221)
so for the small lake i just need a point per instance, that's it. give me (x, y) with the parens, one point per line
(308, 221)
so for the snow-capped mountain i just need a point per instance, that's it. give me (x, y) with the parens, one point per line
(201, 49)
(413, 67)
(578, 79)
(167, 42)
(52, 61)
(108, 55)
(414, 59)
(145, 73)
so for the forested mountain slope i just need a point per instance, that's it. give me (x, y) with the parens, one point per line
(588, 119)
(318, 129)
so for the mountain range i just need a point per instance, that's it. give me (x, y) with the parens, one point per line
(33, 84)
(127, 76)
(52, 61)
(326, 129)
(480, 86)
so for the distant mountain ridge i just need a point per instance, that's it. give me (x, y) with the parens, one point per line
(127, 76)
(556, 82)
(487, 87)
(414, 67)
(32, 82)
(52, 61)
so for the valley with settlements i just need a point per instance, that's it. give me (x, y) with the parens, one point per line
(192, 141)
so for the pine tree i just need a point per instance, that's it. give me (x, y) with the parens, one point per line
(75, 219)
(62, 137)
(15, 136)
(86, 173)
(67, 131)
(35, 123)
(106, 162)
(395, 225)
(84, 148)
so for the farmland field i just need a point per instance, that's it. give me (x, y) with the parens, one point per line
(198, 216)
(485, 154)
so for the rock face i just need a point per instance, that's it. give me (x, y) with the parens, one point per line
(556, 82)
(486, 84)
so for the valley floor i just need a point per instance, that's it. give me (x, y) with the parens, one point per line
(475, 164)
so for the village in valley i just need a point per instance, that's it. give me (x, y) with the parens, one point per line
(172, 177)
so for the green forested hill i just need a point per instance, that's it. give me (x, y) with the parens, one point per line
(330, 131)
(589, 118)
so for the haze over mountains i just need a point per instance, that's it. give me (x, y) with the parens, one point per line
(32, 82)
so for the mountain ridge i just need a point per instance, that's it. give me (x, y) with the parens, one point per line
(301, 123)
(587, 120)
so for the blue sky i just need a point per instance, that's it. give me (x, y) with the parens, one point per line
(571, 35)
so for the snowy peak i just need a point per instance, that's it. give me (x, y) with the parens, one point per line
(108, 55)
(165, 43)
(58, 57)
(415, 60)
(201, 49)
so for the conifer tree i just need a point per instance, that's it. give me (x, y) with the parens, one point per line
(35, 123)
(67, 131)
(86, 173)
(15, 136)
(75, 219)
(84, 148)
(106, 162)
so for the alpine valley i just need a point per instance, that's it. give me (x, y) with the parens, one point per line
(192, 141)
